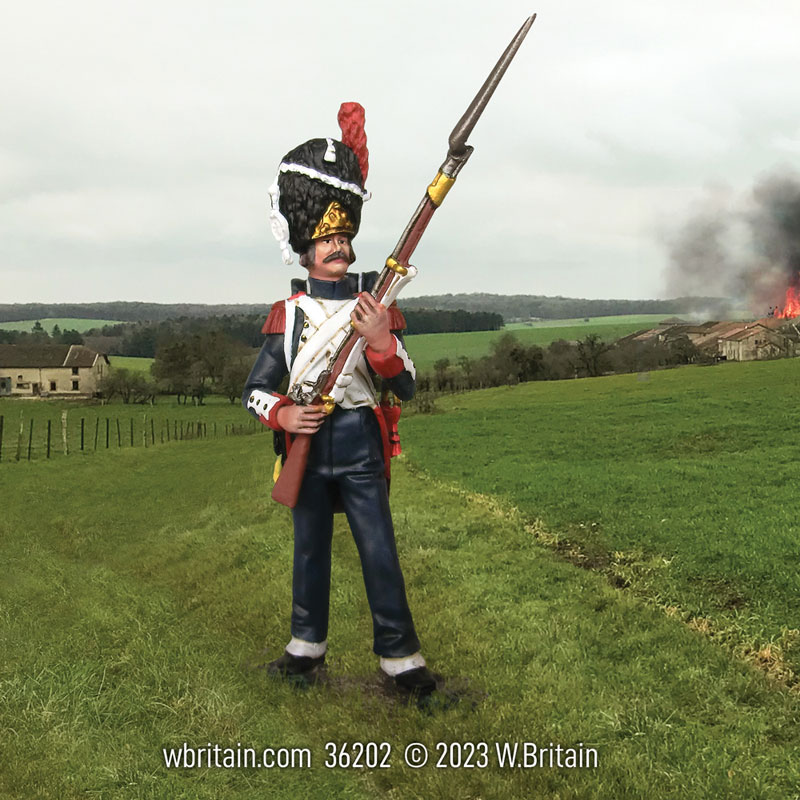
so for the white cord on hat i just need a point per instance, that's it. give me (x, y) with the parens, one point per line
(310, 172)
(278, 223)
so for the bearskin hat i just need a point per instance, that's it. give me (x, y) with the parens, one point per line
(319, 189)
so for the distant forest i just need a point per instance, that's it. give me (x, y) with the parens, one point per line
(124, 311)
(520, 307)
(509, 307)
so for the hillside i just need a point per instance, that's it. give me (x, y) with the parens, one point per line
(509, 306)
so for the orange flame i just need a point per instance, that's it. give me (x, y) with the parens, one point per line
(792, 307)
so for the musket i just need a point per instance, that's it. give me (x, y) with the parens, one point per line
(287, 487)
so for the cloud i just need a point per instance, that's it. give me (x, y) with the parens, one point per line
(143, 136)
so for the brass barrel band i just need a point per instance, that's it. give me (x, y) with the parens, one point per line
(396, 266)
(439, 188)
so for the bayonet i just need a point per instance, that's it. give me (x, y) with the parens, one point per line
(457, 154)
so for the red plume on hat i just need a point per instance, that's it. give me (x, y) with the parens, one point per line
(351, 121)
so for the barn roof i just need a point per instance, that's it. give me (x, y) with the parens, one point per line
(752, 330)
(46, 355)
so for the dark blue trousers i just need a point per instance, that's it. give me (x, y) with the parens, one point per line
(346, 466)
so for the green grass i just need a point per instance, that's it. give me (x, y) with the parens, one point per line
(132, 363)
(48, 323)
(427, 348)
(643, 320)
(140, 588)
(680, 484)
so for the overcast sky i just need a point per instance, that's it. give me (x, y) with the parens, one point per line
(138, 139)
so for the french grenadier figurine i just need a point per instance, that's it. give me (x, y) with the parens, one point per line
(334, 336)
(316, 202)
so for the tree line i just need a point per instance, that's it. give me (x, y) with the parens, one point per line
(191, 367)
(123, 310)
(427, 320)
(510, 362)
(522, 307)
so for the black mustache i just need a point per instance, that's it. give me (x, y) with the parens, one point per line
(333, 256)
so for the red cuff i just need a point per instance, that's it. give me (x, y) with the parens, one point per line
(272, 420)
(387, 364)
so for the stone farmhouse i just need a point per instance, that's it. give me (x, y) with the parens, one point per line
(50, 370)
(727, 341)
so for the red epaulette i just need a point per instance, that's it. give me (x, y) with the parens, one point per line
(397, 322)
(276, 321)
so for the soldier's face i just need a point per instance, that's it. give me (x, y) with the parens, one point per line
(332, 256)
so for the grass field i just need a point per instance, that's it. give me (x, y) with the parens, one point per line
(643, 320)
(680, 484)
(65, 323)
(138, 598)
(132, 363)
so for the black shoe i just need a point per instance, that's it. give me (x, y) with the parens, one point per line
(419, 682)
(295, 667)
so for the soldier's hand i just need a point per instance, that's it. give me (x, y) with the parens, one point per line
(371, 320)
(301, 419)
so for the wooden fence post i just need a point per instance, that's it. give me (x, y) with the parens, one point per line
(49, 424)
(119, 435)
(19, 436)
(131, 431)
(108, 431)
(30, 439)
(64, 432)
(144, 430)
(2, 418)
(152, 431)
(83, 421)
(96, 431)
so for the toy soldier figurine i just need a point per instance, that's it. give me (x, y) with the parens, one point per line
(333, 336)
(316, 210)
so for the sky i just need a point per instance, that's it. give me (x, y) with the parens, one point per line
(138, 139)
